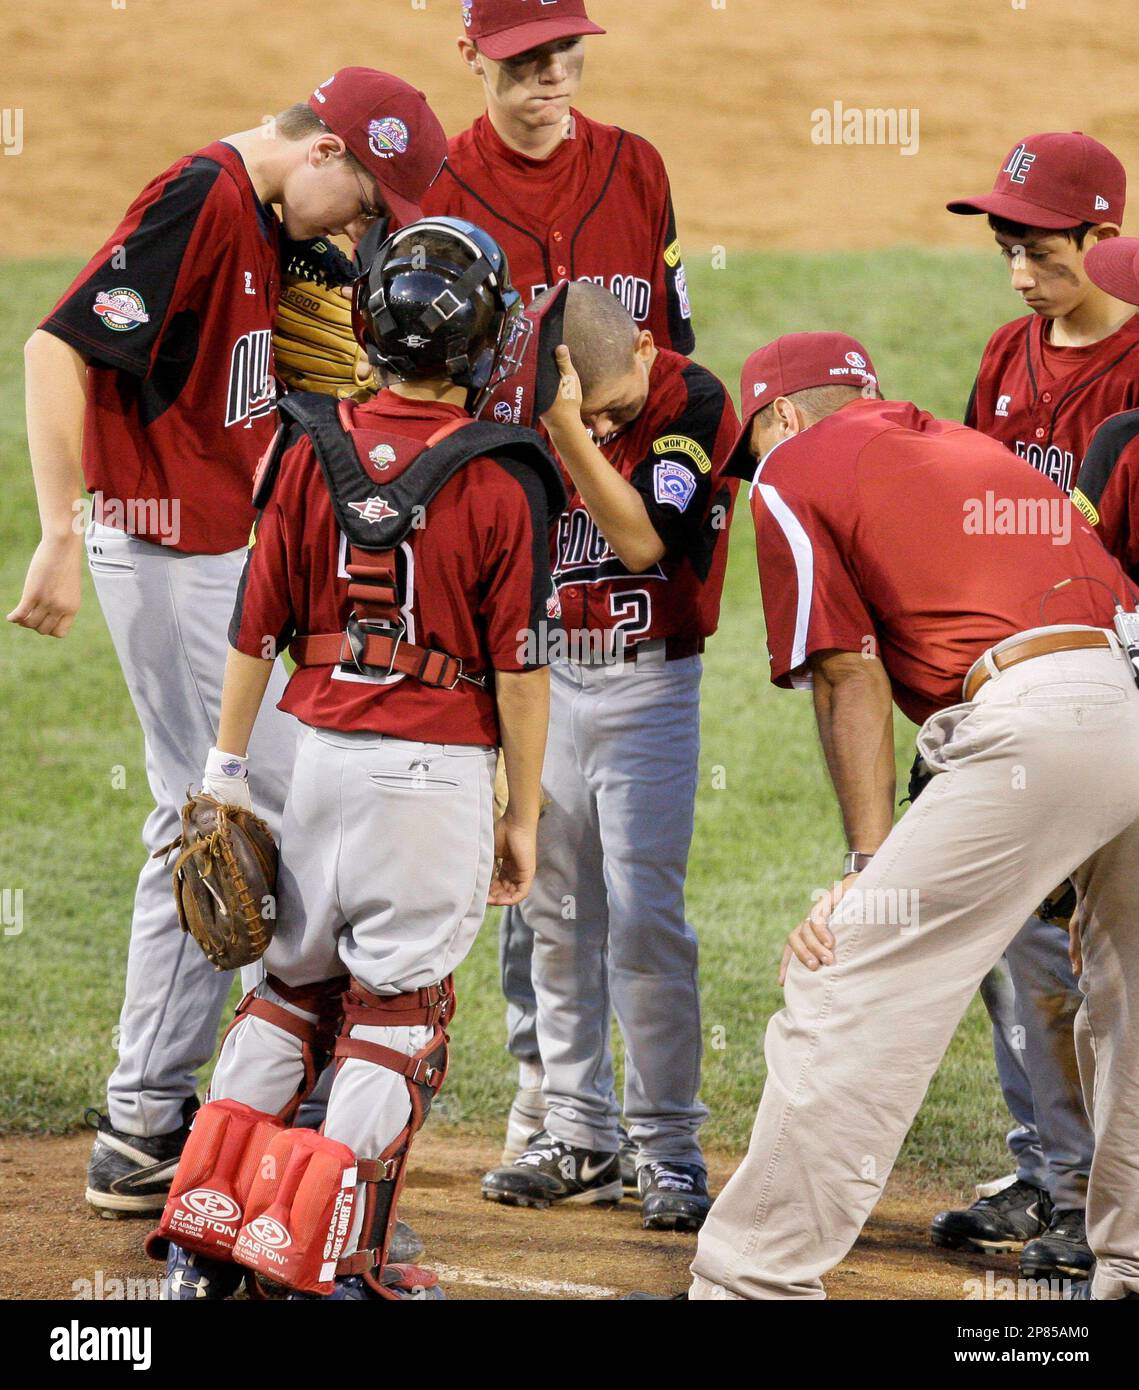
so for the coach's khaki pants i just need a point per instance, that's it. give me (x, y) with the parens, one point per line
(1039, 777)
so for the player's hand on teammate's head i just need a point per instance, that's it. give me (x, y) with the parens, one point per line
(516, 861)
(52, 588)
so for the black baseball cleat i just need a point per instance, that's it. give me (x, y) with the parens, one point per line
(406, 1246)
(628, 1156)
(1004, 1221)
(552, 1171)
(1062, 1250)
(192, 1278)
(674, 1196)
(129, 1175)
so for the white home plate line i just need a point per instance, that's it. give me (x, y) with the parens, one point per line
(476, 1278)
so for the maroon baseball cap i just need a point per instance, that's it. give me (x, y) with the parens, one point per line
(505, 28)
(390, 129)
(1055, 181)
(524, 397)
(793, 363)
(1113, 265)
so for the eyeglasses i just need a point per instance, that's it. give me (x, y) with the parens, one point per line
(368, 209)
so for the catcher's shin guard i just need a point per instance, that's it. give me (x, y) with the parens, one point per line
(424, 1073)
(299, 1211)
(211, 1186)
(316, 1038)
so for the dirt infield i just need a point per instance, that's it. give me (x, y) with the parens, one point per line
(111, 91)
(481, 1251)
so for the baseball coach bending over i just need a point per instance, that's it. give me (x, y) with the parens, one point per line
(893, 568)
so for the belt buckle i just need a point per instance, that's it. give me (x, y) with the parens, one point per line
(359, 630)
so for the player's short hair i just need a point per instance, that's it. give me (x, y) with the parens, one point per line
(817, 402)
(1023, 229)
(300, 121)
(599, 332)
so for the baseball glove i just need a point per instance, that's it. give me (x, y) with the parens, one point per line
(313, 343)
(225, 881)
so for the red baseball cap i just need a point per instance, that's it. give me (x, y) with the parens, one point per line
(1113, 265)
(390, 129)
(793, 363)
(1055, 181)
(505, 28)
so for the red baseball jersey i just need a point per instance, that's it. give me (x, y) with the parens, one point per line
(174, 315)
(1108, 494)
(599, 208)
(1045, 403)
(673, 454)
(475, 580)
(884, 530)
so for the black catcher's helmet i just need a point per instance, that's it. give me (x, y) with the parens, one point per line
(437, 300)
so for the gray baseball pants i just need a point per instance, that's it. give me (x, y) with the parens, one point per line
(168, 616)
(607, 908)
(1037, 778)
(387, 851)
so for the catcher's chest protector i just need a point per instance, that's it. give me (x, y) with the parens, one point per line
(381, 484)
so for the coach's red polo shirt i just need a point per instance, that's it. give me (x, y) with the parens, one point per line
(882, 529)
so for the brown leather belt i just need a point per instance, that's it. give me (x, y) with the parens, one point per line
(1025, 650)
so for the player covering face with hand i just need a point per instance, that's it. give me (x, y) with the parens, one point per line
(410, 672)
(639, 563)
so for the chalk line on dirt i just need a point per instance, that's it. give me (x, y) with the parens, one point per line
(477, 1278)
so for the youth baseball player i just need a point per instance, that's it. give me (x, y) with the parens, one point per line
(567, 198)
(402, 556)
(1032, 733)
(640, 555)
(155, 370)
(1044, 385)
(1108, 494)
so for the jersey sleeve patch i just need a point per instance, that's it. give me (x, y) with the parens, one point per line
(673, 484)
(1086, 506)
(681, 444)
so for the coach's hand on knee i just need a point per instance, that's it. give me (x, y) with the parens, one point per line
(812, 941)
(52, 588)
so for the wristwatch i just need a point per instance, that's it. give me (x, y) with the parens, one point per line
(854, 862)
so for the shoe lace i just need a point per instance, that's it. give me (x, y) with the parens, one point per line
(670, 1179)
(542, 1148)
(1069, 1225)
(1017, 1194)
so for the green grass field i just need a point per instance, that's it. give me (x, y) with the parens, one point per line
(74, 793)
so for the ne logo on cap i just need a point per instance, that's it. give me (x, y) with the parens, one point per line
(1019, 163)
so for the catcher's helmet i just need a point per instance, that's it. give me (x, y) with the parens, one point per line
(437, 300)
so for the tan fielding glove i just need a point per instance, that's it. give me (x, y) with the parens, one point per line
(313, 343)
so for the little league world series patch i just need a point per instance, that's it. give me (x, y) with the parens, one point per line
(673, 485)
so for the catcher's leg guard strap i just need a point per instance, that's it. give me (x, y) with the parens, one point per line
(315, 1036)
(424, 1073)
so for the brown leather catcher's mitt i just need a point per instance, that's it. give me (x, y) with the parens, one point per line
(225, 881)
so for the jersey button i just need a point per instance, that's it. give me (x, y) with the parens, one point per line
(1046, 397)
(1039, 433)
(562, 272)
(557, 236)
